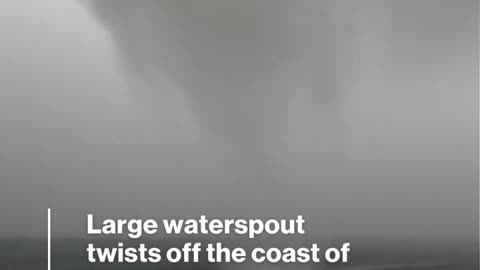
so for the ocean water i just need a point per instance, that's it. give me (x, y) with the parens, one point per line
(28, 254)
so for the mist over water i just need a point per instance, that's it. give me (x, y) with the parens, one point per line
(361, 115)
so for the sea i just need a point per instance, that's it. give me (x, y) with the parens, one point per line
(70, 254)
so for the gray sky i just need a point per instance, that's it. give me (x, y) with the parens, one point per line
(364, 118)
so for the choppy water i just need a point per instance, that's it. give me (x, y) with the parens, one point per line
(70, 254)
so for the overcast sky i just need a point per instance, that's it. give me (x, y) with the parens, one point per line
(362, 115)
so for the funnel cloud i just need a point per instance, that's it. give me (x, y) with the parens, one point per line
(360, 115)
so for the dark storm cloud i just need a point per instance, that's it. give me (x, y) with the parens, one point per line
(360, 114)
